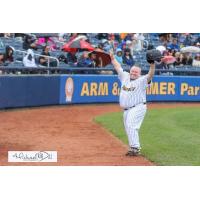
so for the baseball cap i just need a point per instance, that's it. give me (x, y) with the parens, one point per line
(118, 50)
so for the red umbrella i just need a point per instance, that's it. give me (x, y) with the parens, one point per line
(74, 45)
(101, 55)
(168, 59)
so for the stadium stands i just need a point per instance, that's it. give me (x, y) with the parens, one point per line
(149, 41)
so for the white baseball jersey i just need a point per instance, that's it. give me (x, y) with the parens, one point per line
(133, 92)
(132, 97)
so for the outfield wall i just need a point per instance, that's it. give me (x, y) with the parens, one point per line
(24, 91)
(83, 89)
(39, 90)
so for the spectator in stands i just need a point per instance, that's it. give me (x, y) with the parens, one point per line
(197, 42)
(61, 37)
(164, 67)
(62, 58)
(30, 42)
(129, 36)
(85, 61)
(188, 40)
(183, 59)
(44, 60)
(179, 59)
(107, 46)
(150, 46)
(101, 36)
(137, 42)
(181, 38)
(122, 45)
(71, 57)
(42, 42)
(118, 56)
(127, 58)
(117, 37)
(170, 52)
(174, 45)
(1, 59)
(8, 35)
(122, 36)
(7, 57)
(173, 52)
(111, 41)
(50, 41)
(187, 59)
(196, 61)
(140, 37)
(29, 59)
(164, 38)
(166, 52)
(130, 45)
(100, 46)
(175, 35)
(96, 62)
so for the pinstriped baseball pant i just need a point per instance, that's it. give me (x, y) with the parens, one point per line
(133, 119)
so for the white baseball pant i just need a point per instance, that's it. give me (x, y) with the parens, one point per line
(133, 119)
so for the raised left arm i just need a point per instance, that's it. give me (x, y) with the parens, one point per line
(151, 72)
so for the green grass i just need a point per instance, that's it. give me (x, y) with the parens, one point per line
(167, 136)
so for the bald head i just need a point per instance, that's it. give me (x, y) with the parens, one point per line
(135, 72)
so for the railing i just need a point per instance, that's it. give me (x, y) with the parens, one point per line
(86, 70)
(38, 55)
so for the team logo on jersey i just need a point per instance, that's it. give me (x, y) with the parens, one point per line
(69, 89)
(128, 89)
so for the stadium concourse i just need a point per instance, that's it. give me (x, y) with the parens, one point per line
(36, 53)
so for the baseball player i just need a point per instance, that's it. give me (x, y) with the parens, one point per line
(133, 98)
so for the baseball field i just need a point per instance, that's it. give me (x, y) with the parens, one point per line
(169, 136)
(93, 135)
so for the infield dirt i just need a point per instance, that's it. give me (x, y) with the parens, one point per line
(69, 130)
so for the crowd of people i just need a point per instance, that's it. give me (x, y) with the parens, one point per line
(175, 42)
(126, 47)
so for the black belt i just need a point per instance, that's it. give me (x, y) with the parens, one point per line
(125, 109)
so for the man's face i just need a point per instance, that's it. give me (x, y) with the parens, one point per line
(119, 53)
(10, 52)
(127, 53)
(174, 41)
(85, 55)
(47, 49)
(135, 72)
(93, 56)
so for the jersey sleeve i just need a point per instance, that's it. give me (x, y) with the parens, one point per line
(122, 75)
(144, 81)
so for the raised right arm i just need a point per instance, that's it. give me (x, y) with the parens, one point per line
(115, 63)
